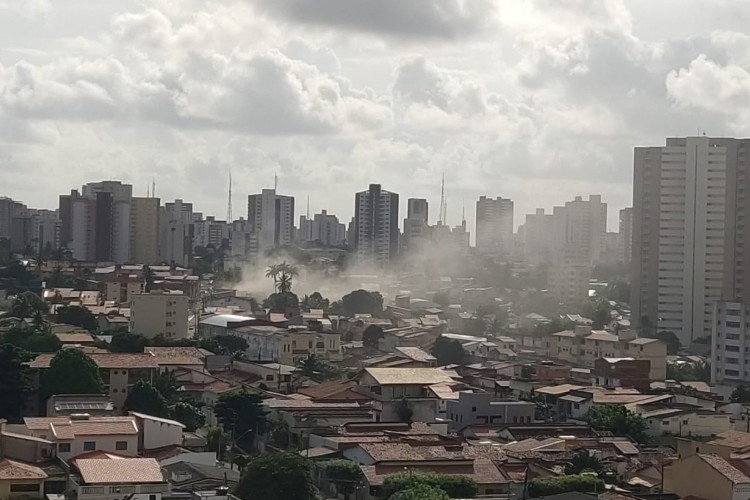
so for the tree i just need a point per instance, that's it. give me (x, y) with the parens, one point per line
(127, 342)
(314, 301)
(189, 415)
(77, 316)
(33, 340)
(553, 485)
(599, 311)
(216, 441)
(618, 420)
(281, 301)
(241, 414)
(26, 304)
(71, 372)
(740, 395)
(455, 486)
(448, 351)
(581, 462)
(231, 344)
(420, 492)
(166, 383)
(148, 278)
(682, 372)
(442, 298)
(145, 398)
(371, 335)
(317, 369)
(362, 302)
(14, 387)
(277, 476)
(404, 411)
(282, 274)
(669, 338)
(345, 474)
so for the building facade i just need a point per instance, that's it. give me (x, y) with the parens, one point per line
(376, 225)
(272, 218)
(160, 312)
(494, 221)
(144, 230)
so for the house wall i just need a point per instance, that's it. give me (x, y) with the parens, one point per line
(693, 477)
(158, 434)
(690, 425)
(7, 494)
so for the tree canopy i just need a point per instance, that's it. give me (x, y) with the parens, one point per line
(145, 398)
(314, 301)
(317, 369)
(33, 339)
(741, 394)
(127, 342)
(14, 387)
(282, 274)
(280, 301)
(583, 461)
(27, 305)
(345, 474)
(71, 372)
(362, 302)
(371, 335)
(241, 414)
(420, 492)
(231, 344)
(189, 414)
(618, 420)
(553, 485)
(448, 351)
(77, 316)
(454, 486)
(277, 476)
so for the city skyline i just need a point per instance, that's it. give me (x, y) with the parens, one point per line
(493, 95)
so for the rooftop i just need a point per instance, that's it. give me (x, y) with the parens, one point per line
(120, 470)
(11, 469)
(725, 469)
(177, 355)
(65, 428)
(732, 439)
(106, 360)
(416, 354)
(223, 320)
(410, 376)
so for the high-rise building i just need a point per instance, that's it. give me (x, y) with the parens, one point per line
(538, 237)
(144, 230)
(160, 312)
(96, 222)
(327, 229)
(416, 228)
(28, 228)
(582, 228)
(417, 209)
(626, 235)
(176, 232)
(494, 226)
(690, 243)
(376, 225)
(272, 218)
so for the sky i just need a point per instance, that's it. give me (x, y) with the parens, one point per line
(534, 100)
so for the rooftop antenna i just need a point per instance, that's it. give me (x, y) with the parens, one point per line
(275, 181)
(229, 199)
(308, 207)
(148, 193)
(445, 211)
(153, 187)
(463, 210)
(442, 201)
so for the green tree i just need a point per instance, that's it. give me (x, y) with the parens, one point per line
(166, 383)
(145, 398)
(282, 274)
(599, 312)
(345, 474)
(14, 387)
(189, 415)
(420, 492)
(669, 338)
(281, 301)
(127, 342)
(277, 476)
(231, 344)
(26, 305)
(317, 369)
(455, 486)
(583, 461)
(77, 316)
(314, 301)
(553, 485)
(71, 372)
(362, 302)
(371, 335)
(683, 372)
(448, 351)
(741, 394)
(33, 340)
(241, 414)
(618, 420)
(216, 441)
(442, 298)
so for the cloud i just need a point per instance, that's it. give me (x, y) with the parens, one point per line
(418, 19)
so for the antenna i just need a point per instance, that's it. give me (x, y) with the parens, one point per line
(463, 210)
(229, 199)
(442, 201)
(275, 181)
(148, 193)
(445, 211)
(308, 207)
(153, 187)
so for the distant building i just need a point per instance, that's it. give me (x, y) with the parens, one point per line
(176, 233)
(324, 228)
(159, 313)
(729, 342)
(144, 230)
(417, 231)
(485, 409)
(376, 225)
(272, 218)
(538, 237)
(494, 221)
(626, 235)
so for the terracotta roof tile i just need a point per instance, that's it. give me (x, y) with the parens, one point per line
(11, 469)
(108, 360)
(725, 468)
(120, 471)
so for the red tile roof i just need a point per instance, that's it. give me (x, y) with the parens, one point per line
(120, 471)
(11, 469)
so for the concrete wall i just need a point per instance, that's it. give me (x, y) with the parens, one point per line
(157, 434)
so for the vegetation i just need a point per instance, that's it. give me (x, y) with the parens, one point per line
(362, 302)
(277, 476)
(582, 462)
(145, 398)
(669, 338)
(553, 485)
(231, 345)
(317, 369)
(14, 387)
(618, 420)
(71, 372)
(216, 441)
(371, 335)
(453, 486)
(27, 305)
(448, 352)
(741, 394)
(166, 384)
(127, 342)
(282, 274)
(346, 475)
(242, 416)
(281, 301)
(689, 371)
(420, 492)
(189, 414)
(37, 340)
(314, 301)
(77, 316)
(599, 312)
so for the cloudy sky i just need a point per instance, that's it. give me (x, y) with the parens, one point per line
(536, 100)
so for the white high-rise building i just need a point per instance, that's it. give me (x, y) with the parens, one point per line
(175, 234)
(538, 236)
(495, 226)
(626, 235)
(689, 237)
(376, 225)
(582, 226)
(272, 218)
(417, 232)
(327, 229)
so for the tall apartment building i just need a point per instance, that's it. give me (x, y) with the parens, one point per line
(96, 222)
(537, 235)
(144, 230)
(730, 342)
(272, 218)
(690, 243)
(160, 312)
(416, 227)
(494, 226)
(582, 228)
(626, 235)
(323, 227)
(176, 232)
(376, 225)
(209, 231)
(28, 227)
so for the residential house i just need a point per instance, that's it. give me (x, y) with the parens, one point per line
(190, 476)
(62, 405)
(623, 372)
(157, 432)
(708, 477)
(484, 408)
(111, 476)
(21, 481)
(683, 420)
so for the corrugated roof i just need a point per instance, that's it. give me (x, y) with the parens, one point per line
(120, 471)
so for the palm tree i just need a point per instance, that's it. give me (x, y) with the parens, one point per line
(282, 275)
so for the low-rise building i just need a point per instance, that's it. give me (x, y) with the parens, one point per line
(483, 408)
(708, 477)
(729, 342)
(64, 405)
(160, 312)
(109, 477)
(622, 372)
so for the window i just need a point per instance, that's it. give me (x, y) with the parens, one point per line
(89, 445)
(269, 377)
(473, 408)
(121, 445)
(24, 488)
(63, 448)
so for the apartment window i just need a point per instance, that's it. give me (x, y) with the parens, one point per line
(24, 488)
(89, 445)
(63, 448)
(473, 408)
(733, 324)
(121, 445)
(269, 378)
